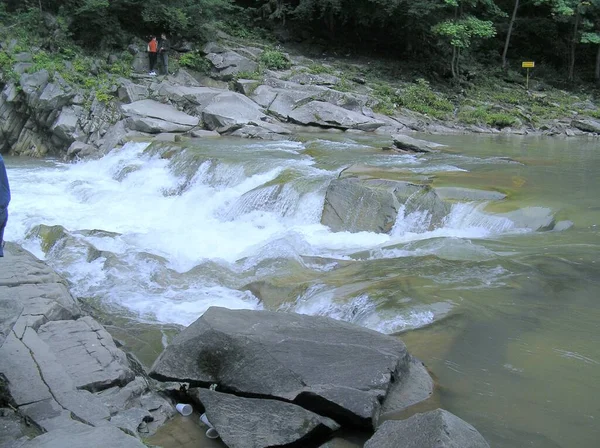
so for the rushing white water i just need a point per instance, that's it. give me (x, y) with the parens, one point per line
(171, 245)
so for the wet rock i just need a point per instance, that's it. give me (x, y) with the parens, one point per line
(468, 194)
(416, 386)
(534, 218)
(81, 150)
(329, 367)
(328, 115)
(587, 125)
(10, 311)
(438, 428)
(260, 423)
(205, 134)
(410, 144)
(372, 205)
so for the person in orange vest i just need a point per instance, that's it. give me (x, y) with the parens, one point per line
(152, 54)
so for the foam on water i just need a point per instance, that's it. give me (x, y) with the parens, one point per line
(222, 213)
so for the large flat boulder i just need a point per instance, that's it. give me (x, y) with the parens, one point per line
(587, 125)
(261, 423)
(319, 113)
(229, 111)
(199, 97)
(330, 367)
(10, 311)
(155, 126)
(154, 109)
(373, 205)
(88, 353)
(229, 63)
(439, 429)
(105, 437)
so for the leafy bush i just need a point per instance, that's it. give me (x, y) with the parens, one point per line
(420, 98)
(274, 60)
(195, 61)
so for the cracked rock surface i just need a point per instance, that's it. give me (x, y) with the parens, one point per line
(63, 370)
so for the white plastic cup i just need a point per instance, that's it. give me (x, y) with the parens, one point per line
(184, 409)
(204, 419)
(212, 433)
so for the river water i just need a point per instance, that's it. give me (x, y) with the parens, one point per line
(502, 306)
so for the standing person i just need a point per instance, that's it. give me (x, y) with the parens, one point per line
(4, 201)
(152, 49)
(163, 50)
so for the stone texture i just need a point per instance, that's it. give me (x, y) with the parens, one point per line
(85, 438)
(229, 63)
(372, 205)
(587, 125)
(230, 111)
(10, 311)
(165, 112)
(88, 353)
(439, 429)
(329, 115)
(534, 218)
(327, 366)
(154, 125)
(410, 144)
(130, 92)
(468, 194)
(258, 423)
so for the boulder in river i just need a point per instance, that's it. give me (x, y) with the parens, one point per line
(330, 367)
(258, 423)
(439, 429)
(410, 144)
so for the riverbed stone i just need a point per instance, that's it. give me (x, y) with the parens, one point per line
(229, 111)
(411, 144)
(154, 125)
(372, 205)
(85, 438)
(587, 125)
(156, 110)
(438, 428)
(327, 366)
(88, 353)
(324, 114)
(534, 218)
(260, 423)
(468, 194)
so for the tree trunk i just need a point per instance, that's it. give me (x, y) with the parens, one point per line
(597, 72)
(574, 45)
(453, 62)
(508, 34)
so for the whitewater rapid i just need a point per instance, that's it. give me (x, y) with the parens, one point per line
(174, 242)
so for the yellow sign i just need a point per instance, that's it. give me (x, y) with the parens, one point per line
(530, 64)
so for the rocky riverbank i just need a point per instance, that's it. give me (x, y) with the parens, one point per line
(65, 382)
(42, 113)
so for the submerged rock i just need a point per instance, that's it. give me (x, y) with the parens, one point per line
(258, 423)
(329, 367)
(439, 429)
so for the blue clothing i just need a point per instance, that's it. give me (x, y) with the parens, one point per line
(4, 201)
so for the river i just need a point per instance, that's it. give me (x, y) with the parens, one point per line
(506, 316)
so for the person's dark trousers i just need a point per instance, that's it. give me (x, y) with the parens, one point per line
(164, 59)
(152, 56)
(3, 220)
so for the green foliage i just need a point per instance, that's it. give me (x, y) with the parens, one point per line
(274, 60)
(317, 69)
(195, 61)
(460, 32)
(419, 97)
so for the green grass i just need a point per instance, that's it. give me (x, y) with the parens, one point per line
(274, 60)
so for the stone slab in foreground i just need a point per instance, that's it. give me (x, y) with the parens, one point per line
(257, 423)
(85, 438)
(439, 429)
(334, 368)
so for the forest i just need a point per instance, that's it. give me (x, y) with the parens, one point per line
(561, 36)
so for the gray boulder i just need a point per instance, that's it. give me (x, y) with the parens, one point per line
(82, 150)
(165, 112)
(229, 111)
(10, 311)
(318, 113)
(104, 437)
(587, 125)
(406, 143)
(319, 79)
(330, 367)
(439, 429)
(88, 353)
(130, 92)
(534, 218)
(197, 97)
(372, 205)
(65, 126)
(154, 125)
(262, 131)
(260, 423)
(230, 63)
